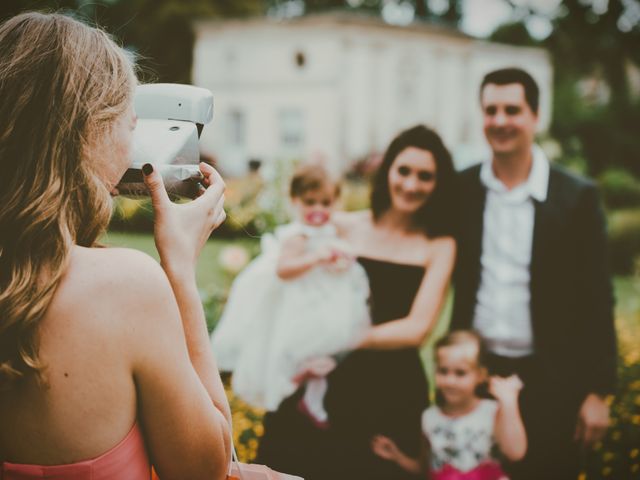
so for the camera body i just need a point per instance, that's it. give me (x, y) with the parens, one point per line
(170, 119)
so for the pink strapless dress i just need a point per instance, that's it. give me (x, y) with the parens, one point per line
(484, 471)
(126, 461)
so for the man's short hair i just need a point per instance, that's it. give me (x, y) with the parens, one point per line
(505, 76)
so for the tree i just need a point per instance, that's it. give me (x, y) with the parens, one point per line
(159, 31)
(595, 113)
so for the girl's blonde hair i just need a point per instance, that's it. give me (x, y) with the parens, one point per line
(464, 337)
(62, 85)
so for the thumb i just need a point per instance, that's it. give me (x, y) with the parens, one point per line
(155, 185)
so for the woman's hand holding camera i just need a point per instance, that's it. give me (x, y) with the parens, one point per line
(181, 230)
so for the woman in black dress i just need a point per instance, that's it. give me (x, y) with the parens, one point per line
(405, 246)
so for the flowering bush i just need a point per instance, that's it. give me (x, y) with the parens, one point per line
(233, 259)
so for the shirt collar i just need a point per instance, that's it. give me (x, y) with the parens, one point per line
(535, 186)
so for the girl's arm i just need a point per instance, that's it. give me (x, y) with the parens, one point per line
(386, 448)
(411, 330)
(295, 260)
(509, 430)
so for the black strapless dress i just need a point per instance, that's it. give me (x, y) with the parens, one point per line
(370, 392)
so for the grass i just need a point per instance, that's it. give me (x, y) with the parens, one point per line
(210, 273)
(616, 457)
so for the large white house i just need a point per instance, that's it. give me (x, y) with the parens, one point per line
(340, 86)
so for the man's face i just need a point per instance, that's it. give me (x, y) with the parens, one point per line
(509, 123)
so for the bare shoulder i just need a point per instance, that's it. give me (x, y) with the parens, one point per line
(120, 270)
(111, 282)
(442, 248)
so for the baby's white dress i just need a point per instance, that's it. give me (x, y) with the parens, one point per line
(270, 326)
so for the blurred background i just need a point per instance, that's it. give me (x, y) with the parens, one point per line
(335, 80)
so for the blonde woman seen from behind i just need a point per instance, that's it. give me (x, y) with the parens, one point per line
(105, 364)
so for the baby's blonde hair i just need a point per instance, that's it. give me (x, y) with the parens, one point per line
(311, 177)
(62, 85)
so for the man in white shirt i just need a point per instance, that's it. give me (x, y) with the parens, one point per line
(532, 278)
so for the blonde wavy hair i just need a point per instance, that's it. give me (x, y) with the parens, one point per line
(62, 85)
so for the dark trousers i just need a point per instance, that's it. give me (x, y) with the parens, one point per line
(549, 412)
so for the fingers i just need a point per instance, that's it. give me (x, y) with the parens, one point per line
(493, 381)
(383, 447)
(514, 381)
(214, 189)
(153, 181)
(222, 216)
(211, 175)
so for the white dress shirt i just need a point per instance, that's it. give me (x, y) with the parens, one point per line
(502, 314)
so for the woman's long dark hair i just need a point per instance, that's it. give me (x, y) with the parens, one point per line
(436, 216)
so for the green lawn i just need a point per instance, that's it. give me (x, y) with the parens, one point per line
(617, 457)
(210, 274)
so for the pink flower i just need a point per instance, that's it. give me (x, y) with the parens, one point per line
(233, 259)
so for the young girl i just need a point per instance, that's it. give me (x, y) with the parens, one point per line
(304, 298)
(461, 433)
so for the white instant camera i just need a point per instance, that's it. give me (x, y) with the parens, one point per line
(170, 120)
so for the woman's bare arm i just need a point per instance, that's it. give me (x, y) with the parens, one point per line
(183, 406)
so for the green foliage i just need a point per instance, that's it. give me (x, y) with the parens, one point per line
(450, 13)
(618, 455)
(355, 195)
(159, 31)
(259, 202)
(624, 239)
(513, 33)
(590, 47)
(132, 215)
(620, 189)
(595, 113)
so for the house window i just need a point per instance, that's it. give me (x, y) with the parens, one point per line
(237, 128)
(291, 123)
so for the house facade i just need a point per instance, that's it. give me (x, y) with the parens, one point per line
(339, 87)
